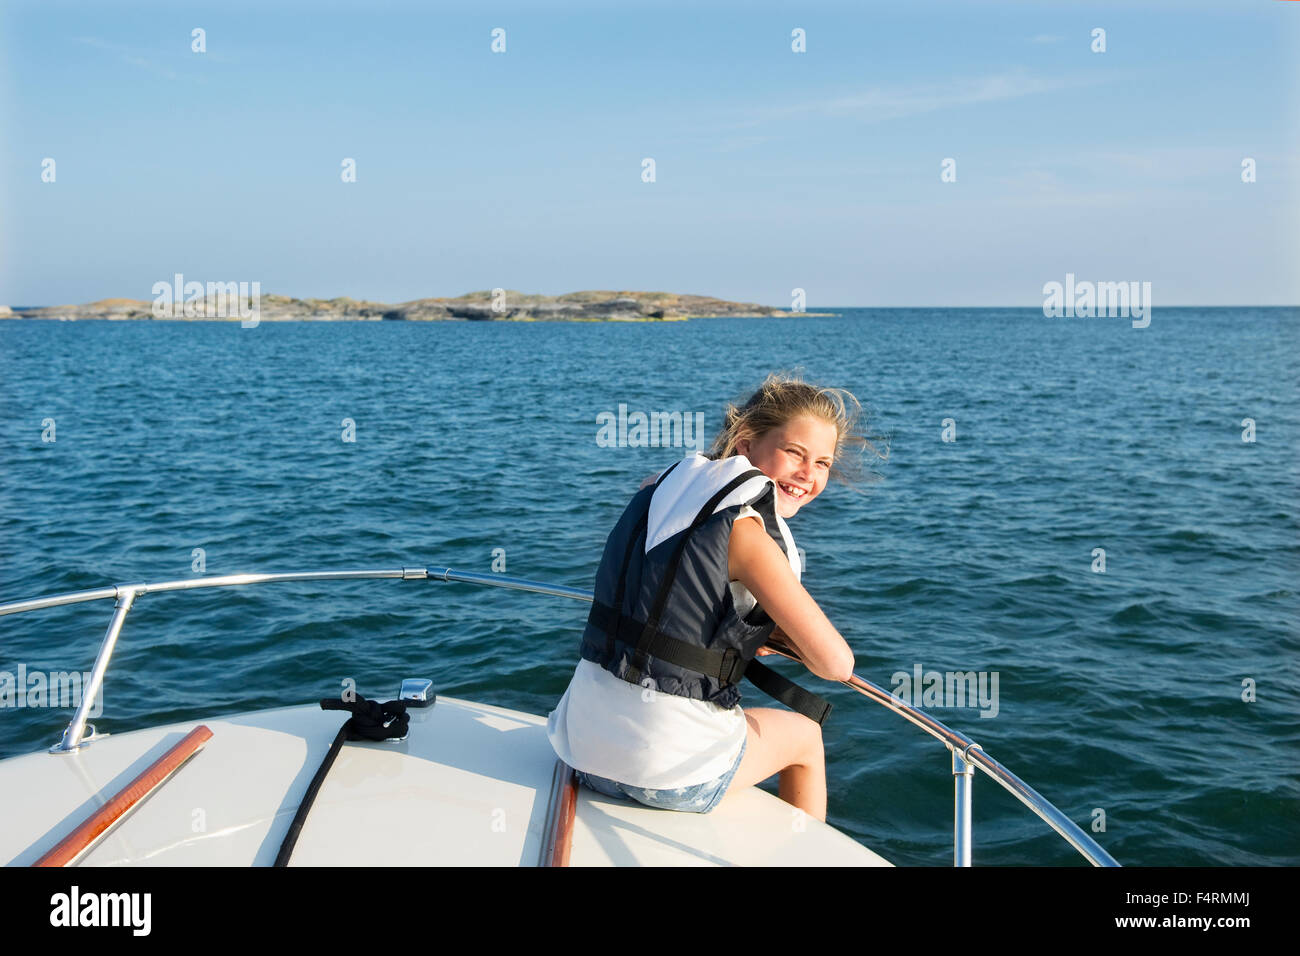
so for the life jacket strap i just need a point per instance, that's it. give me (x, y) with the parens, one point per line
(788, 692)
(725, 666)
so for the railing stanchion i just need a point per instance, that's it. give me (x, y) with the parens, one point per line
(963, 776)
(72, 736)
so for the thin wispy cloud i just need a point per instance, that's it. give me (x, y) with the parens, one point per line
(147, 59)
(1033, 180)
(127, 55)
(741, 142)
(879, 103)
(1174, 163)
(1150, 168)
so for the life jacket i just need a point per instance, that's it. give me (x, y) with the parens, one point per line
(664, 615)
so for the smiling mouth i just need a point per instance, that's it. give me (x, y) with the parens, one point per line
(798, 494)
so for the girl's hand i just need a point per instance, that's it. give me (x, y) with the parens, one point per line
(776, 639)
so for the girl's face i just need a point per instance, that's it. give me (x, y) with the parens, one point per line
(797, 457)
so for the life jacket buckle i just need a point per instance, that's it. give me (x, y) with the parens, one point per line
(733, 666)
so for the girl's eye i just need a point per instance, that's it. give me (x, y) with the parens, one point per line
(796, 453)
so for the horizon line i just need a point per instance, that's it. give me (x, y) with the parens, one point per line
(809, 308)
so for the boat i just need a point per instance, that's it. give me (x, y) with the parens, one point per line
(456, 782)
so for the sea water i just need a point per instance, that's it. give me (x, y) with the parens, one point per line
(1104, 517)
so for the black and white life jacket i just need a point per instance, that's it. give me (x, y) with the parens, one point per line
(664, 614)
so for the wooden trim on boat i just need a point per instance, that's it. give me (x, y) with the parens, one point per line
(560, 814)
(110, 814)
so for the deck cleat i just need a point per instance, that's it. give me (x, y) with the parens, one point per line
(417, 692)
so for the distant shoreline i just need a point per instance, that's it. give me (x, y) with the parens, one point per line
(503, 306)
(141, 311)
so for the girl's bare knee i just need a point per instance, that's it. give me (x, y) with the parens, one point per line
(812, 745)
(784, 740)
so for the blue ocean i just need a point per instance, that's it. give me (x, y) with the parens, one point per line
(1105, 517)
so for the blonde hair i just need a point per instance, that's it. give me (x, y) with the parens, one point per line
(784, 397)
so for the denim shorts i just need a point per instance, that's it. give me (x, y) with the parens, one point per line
(700, 798)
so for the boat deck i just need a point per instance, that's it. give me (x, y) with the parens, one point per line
(470, 786)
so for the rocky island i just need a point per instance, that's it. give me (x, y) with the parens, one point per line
(495, 305)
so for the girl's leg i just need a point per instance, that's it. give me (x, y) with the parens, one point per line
(781, 741)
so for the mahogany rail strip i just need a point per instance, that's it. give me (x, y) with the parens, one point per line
(106, 817)
(560, 814)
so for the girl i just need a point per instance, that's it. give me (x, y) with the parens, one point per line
(687, 594)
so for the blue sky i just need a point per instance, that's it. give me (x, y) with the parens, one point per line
(774, 170)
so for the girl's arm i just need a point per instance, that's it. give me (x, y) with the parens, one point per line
(777, 636)
(756, 561)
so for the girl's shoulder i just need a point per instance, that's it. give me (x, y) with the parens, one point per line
(749, 540)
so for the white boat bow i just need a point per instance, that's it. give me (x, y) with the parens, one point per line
(470, 784)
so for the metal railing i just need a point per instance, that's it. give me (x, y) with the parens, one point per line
(967, 755)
